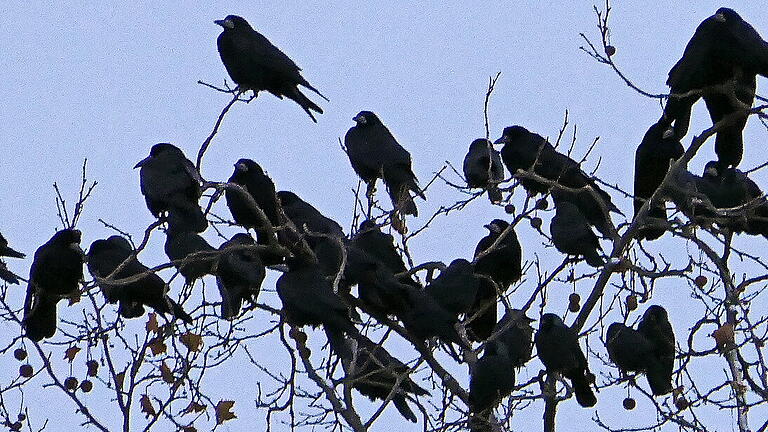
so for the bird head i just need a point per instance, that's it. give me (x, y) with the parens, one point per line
(233, 22)
(497, 226)
(711, 170)
(365, 118)
(550, 320)
(726, 15)
(613, 331)
(159, 150)
(511, 133)
(655, 314)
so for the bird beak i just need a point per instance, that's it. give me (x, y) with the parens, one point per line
(719, 17)
(220, 22)
(492, 228)
(142, 162)
(225, 23)
(502, 140)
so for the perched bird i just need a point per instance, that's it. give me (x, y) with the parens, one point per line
(632, 351)
(514, 331)
(239, 274)
(376, 373)
(170, 183)
(656, 328)
(571, 233)
(105, 256)
(658, 149)
(724, 48)
(381, 247)
(483, 168)
(559, 351)
(492, 379)
(503, 265)
(180, 245)
(374, 153)
(6, 251)
(255, 64)
(425, 318)
(260, 187)
(729, 188)
(307, 219)
(455, 289)
(55, 273)
(525, 150)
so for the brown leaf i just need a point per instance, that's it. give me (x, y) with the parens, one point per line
(166, 373)
(119, 378)
(157, 346)
(724, 337)
(74, 298)
(192, 341)
(70, 353)
(224, 411)
(189, 429)
(194, 407)
(152, 325)
(146, 407)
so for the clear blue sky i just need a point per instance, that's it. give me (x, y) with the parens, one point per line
(106, 82)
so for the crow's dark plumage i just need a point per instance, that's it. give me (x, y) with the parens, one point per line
(729, 188)
(381, 247)
(483, 168)
(179, 245)
(307, 218)
(374, 153)
(514, 331)
(724, 48)
(105, 256)
(170, 183)
(525, 150)
(255, 64)
(376, 373)
(653, 156)
(656, 328)
(425, 318)
(239, 275)
(456, 287)
(260, 187)
(54, 274)
(6, 251)
(632, 351)
(503, 265)
(559, 351)
(571, 233)
(491, 380)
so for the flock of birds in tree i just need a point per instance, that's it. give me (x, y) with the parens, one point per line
(719, 64)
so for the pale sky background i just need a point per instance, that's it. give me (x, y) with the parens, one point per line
(90, 79)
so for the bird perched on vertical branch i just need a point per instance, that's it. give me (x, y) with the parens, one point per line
(374, 153)
(503, 265)
(724, 50)
(559, 351)
(255, 64)
(483, 168)
(658, 149)
(105, 256)
(55, 273)
(6, 251)
(170, 184)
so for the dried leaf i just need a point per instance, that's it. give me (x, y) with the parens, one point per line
(189, 429)
(74, 298)
(152, 325)
(70, 353)
(194, 407)
(119, 378)
(724, 337)
(192, 341)
(166, 373)
(157, 346)
(224, 411)
(146, 407)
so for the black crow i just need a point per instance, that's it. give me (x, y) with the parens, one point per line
(455, 289)
(724, 48)
(105, 256)
(483, 168)
(525, 150)
(503, 265)
(6, 251)
(381, 247)
(492, 379)
(180, 245)
(653, 156)
(260, 187)
(514, 331)
(374, 153)
(239, 274)
(632, 351)
(307, 218)
(571, 233)
(425, 318)
(55, 273)
(255, 64)
(376, 373)
(170, 183)
(559, 351)
(656, 328)
(728, 188)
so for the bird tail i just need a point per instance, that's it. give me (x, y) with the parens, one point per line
(7, 275)
(130, 309)
(39, 315)
(481, 327)
(594, 259)
(306, 84)
(582, 389)
(400, 180)
(402, 406)
(494, 194)
(308, 106)
(230, 304)
(659, 377)
(185, 216)
(178, 312)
